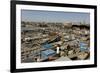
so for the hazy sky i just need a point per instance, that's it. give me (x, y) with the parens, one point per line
(53, 16)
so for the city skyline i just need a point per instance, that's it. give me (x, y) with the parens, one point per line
(54, 16)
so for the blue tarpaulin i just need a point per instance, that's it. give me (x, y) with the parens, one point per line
(83, 46)
(45, 54)
(47, 46)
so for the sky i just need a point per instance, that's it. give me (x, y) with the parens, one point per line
(54, 16)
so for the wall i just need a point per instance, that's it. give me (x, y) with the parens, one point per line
(5, 37)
